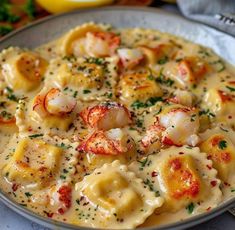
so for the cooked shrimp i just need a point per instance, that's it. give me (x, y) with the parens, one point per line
(177, 127)
(182, 125)
(54, 102)
(130, 57)
(153, 135)
(191, 70)
(112, 142)
(101, 44)
(106, 116)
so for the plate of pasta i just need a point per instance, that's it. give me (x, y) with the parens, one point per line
(113, 119)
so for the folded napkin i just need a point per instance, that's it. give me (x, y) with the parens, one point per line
(216, 13)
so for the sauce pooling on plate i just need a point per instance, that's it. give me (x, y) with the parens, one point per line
(117, 128)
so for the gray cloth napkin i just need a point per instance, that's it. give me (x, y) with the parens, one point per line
(216, 13)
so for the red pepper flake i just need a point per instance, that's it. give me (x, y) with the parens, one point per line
(230, 117)
(227, 184)
(181, 153)
(50, 215)
(14, 187)
(175, 164)
(208, 209)
(213, 183)
(209, 167)
(61, 211)
(209, 157)
(154, 174)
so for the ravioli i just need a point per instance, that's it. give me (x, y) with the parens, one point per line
(219, 143)
(180, 176)
(22, 69)
(34, 163)
(126, 197)
(220, 103)
(88, 78)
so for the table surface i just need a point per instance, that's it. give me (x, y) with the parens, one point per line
(10, 220)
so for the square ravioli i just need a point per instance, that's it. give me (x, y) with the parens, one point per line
(219, 144)
(88, 78)
(36, 161)
(120, 198)
(180, 175)
(33, 162)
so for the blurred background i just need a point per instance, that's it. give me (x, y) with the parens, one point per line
(17, 13)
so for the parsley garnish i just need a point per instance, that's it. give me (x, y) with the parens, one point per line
(97, 61)
(150, 76)
(10, 95)
(151, 187)
(193, 117)
(75, 94)
(162, 79)
(150, 102)
(86, 91)
(63, 146)
(35, 135)
(190, 208)
(222, 144)
(28, 194)
(230, 88)
(163, 60)
(144, 163)
(6, 115)
(220, 65)
(206, 112)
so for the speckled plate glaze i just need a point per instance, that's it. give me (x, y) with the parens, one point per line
(53, 26)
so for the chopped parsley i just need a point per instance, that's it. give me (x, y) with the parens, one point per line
(150, 102)
(6, 115)
(163, 60)
(190, 208)
(62, 177)
(75, 94)
(233, 190)
(151, 187)
(35, 135)
(222, 144)
(86, 91)
(220, 66)
(193, 117)
(63, 146)
(28, 194)
(162, 79)
(230, 88)
(143, 163)
(139, 123)
(207, 112)
(97, 61)
(150, 76)
(10, 95)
